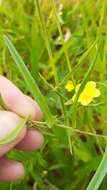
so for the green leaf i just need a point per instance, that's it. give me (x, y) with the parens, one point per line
(77, 66)
(13, 135)
(30, 82)
(100, 174)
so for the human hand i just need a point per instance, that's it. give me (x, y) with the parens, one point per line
(19, 105)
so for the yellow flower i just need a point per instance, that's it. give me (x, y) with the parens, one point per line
(69, 86)
(90, 91)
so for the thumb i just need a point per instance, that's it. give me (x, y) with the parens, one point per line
(18, 102)
(8, 122)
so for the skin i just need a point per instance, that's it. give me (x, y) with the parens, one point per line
(18, 104)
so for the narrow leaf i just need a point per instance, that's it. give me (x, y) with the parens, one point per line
(100, 174)
(13, 135)
(30, 82)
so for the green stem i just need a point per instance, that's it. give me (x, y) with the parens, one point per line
(61, 35)
(83, 83)
(44, 31)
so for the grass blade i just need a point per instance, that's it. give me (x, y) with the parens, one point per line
(100, 174)
(30, 82)
(76, 67)
(84, 81)
(13, 135)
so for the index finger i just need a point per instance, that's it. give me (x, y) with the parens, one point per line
(18, 102)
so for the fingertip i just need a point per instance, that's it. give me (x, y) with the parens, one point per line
(11, 170)
(39, 114)
(32, 141)
(18, 102)
(7, 147)
(34, 109)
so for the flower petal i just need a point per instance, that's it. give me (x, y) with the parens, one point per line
(90, 85)
(85, 99)
(89, 92)
(69, 86)
(77, 87)
(97, 93)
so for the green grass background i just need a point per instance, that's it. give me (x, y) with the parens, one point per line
(39, 30)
